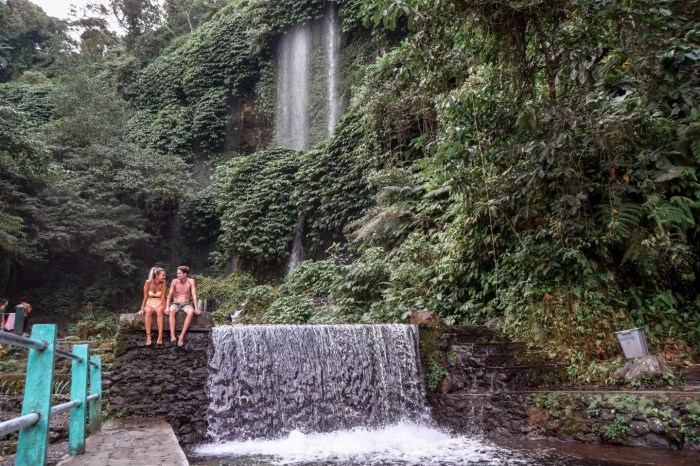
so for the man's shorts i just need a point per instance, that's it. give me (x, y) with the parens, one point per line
(181, 306)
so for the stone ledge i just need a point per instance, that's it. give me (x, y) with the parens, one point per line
(202, 322)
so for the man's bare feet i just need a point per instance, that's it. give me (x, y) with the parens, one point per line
(180, 341)
(148, 340)
(172, 339)
(159, 341)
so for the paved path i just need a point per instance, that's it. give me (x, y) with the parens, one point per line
(131, 442)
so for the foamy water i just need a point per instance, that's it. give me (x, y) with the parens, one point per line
(404, 443)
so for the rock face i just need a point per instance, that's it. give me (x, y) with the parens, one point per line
(161, 380)
(482, 386)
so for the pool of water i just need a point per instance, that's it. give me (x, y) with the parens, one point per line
(404, 444)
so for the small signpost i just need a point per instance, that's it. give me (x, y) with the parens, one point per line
(633, 343)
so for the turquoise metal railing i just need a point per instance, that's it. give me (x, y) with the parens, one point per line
(19, 318)
(33, 424)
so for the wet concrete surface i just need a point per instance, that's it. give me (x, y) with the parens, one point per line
(131, 442)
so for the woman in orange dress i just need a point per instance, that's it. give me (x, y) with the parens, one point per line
(154, 301)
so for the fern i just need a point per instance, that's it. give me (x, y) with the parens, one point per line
(675, 214)
(621, 221)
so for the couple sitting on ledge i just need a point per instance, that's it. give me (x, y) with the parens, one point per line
(178, 300)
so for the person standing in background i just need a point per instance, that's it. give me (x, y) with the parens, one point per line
(3, 307)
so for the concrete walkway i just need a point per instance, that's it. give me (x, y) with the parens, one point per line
(130, 442)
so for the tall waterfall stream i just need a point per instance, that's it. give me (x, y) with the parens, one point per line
(309, 101)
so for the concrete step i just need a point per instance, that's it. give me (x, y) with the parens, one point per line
(460, 334)
(129, 442)
(691, 374)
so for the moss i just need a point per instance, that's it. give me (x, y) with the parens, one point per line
(573, 426)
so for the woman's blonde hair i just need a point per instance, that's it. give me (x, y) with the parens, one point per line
(155, 271)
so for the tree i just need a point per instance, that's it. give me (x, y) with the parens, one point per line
(184, 16)
(28, 38)
(136, 17)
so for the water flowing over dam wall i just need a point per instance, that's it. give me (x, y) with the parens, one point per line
(265, 381)
(251, 382)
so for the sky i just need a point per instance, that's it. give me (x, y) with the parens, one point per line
(59, 8)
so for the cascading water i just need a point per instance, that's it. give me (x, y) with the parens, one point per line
(293, 74)
(322, 395)
(267, 381)
(307, 68)
(297, 247)
(332, 46)
(309, 101)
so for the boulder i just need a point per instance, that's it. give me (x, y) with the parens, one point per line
(493, 324)
(644, 366)
(424, 318)
(648, 365)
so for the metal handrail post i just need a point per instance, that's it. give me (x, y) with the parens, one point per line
(19, 320)
(78, 392)
(95, 421)
(34, 440)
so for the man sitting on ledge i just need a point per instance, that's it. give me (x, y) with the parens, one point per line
(179, 300)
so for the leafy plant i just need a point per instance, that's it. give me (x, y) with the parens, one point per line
(434, 374)
(289, 310)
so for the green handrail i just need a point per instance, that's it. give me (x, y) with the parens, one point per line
(33, 424)
(19, 319)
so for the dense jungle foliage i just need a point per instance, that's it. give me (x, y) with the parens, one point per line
(534, 161)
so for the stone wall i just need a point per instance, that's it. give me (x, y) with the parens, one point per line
(161, 380)
(514, 407)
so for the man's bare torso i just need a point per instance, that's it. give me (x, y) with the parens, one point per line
(182, 291)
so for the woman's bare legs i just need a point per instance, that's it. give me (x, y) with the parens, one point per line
(148, 319)
(159, 321)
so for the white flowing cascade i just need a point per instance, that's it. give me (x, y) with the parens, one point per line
(293, 75)
(266, 381)
(332, 46)
(296, 72)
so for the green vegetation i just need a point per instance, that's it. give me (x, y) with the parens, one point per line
(610, 415)
(534, 161)
(435, 374)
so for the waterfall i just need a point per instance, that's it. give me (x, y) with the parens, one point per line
(293, 74)
(297, 247)
(266, 381)
(307, 64)
(332, 46)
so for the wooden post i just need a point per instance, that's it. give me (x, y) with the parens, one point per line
(96, 388)
(78, 391)
(34, 440)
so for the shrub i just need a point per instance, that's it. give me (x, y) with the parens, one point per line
(290, 310)
(312, 278)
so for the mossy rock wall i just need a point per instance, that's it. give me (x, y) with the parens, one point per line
(161, 381)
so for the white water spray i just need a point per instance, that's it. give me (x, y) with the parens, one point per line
(293, 75)
(332, 45)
